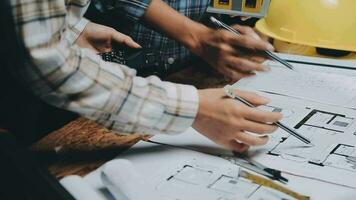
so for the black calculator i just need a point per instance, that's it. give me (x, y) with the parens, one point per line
(146, 61)
(114, 56)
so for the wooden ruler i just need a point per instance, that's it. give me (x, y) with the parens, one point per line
(270, 184)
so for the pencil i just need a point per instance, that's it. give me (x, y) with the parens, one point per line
(268, 53)
(230, 93)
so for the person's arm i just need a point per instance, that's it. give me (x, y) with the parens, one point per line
(234, 56)
(76, 79)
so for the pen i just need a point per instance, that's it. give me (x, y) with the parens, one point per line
(268, 53)
(229, 92)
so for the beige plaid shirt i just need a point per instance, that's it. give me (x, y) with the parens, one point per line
(76, 79)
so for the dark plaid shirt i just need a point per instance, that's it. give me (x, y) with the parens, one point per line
(131, 11)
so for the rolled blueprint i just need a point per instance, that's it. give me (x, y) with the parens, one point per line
(125, 183)
(80, 189)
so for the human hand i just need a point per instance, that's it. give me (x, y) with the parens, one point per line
(233, 56)
(225, 120)
(101, 38)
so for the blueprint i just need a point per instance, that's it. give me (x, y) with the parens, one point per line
(179, 174)
(174, 174)
(210, 178)
(331, 129)
(318, 105)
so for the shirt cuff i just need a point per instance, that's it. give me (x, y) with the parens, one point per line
(181, 109)
(74, 32)
(169, 110)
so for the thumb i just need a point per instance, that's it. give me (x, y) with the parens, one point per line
(125, 40)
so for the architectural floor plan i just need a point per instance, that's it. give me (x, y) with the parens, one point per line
(198, 179)
(332, 130)
(319, 124)
(330, 165)
(182, 174)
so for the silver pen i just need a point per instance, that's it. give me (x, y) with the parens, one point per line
(228, 89)
(268, 53)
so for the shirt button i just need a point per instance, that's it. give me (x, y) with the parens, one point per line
(170, 60)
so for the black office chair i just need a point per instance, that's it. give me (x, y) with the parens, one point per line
(21, 175)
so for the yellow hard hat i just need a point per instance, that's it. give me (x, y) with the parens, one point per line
(327, 24)
(304, 50)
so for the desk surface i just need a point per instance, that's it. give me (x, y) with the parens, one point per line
(82, 145)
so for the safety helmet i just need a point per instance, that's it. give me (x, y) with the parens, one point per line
(329, 24)
(305, 50)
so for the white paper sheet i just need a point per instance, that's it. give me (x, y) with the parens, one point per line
(80, 189)
(315, 64)
(322, 87)
(122, 180)
(181, 174)
(331, 129)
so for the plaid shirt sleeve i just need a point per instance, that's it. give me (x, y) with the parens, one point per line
(130, 9)
(76, 79)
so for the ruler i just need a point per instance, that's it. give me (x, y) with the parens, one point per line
(270, 184)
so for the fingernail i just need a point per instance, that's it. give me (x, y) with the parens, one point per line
(266, 69)
(266, 99)
(270, 47)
